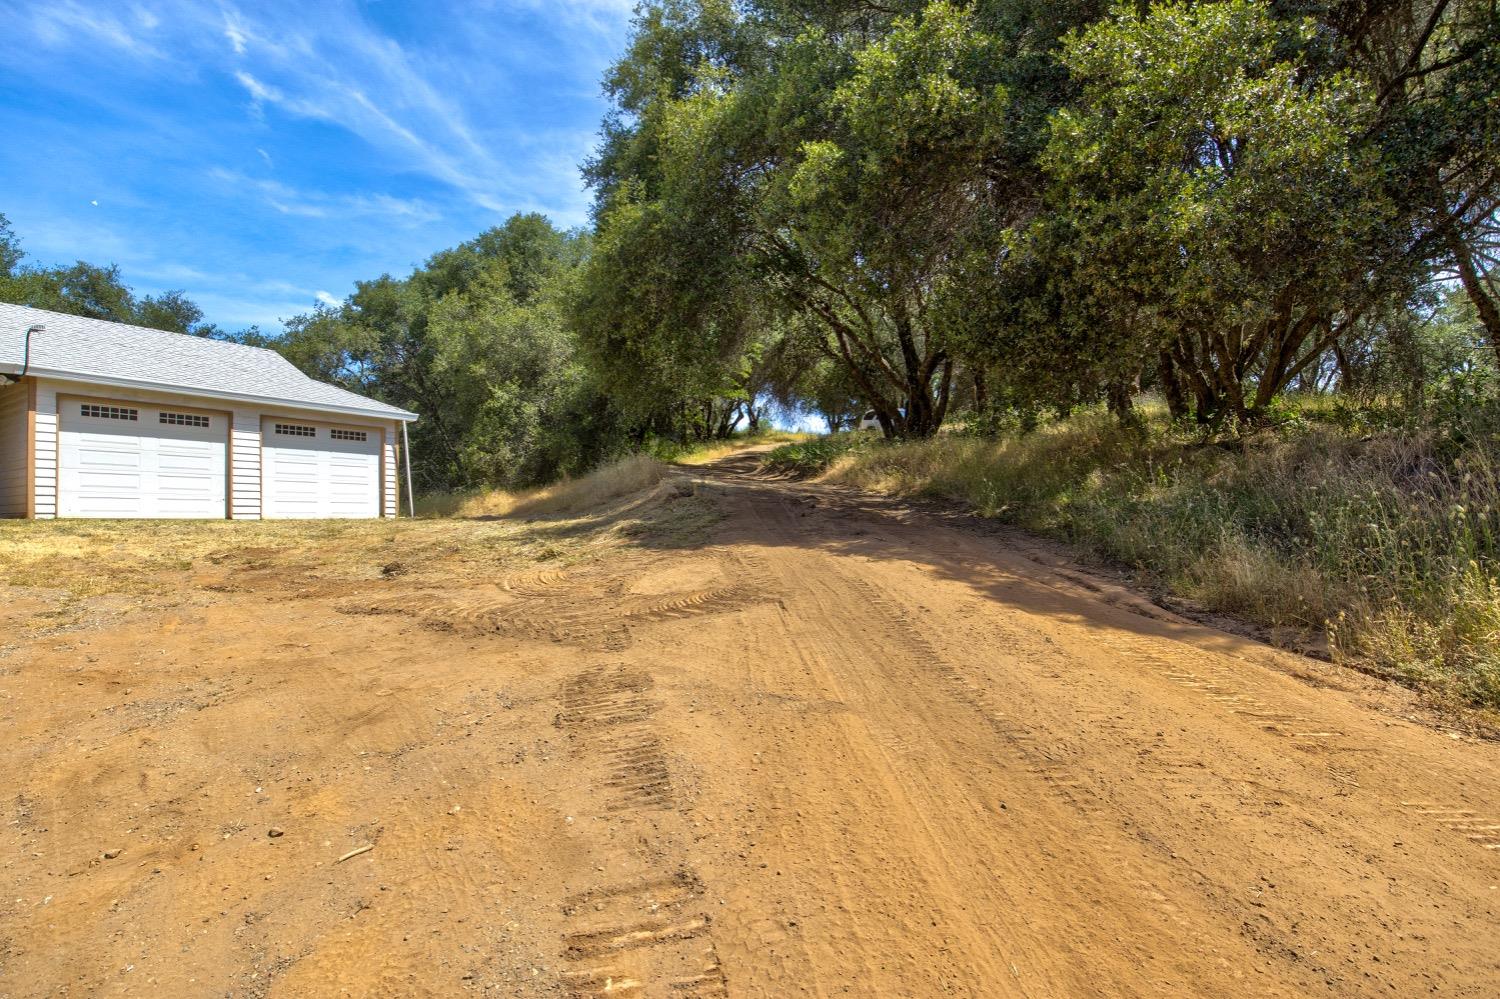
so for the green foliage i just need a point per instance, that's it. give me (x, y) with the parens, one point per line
(1055, 203)
(1184, 184)
(478, 344)
(10, 248)
(664, 315)
(810, 457)
(789, 175)
(511, 371)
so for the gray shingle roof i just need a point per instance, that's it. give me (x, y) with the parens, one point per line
(114, 353)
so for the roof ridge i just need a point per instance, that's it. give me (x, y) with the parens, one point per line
(144, 329)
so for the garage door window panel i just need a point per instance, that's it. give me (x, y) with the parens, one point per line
(183, 419)
(108, 412)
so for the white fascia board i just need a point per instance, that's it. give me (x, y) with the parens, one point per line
(132, 383)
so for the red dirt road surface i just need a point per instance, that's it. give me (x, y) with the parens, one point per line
(768, 739)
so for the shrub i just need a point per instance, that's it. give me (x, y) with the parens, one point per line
(809, 457)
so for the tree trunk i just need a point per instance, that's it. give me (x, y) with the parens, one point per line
(1171, 386)
(1121, 394)
(1484, 304)
(1348, 382)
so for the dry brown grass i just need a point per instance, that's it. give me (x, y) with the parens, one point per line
(477, 537)
(95, 557)
(601, 486)
(488, 534)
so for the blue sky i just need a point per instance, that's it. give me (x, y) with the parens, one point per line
(264, 156)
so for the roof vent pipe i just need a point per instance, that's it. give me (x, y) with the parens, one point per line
(26, 357)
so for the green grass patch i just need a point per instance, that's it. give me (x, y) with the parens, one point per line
(812, 456)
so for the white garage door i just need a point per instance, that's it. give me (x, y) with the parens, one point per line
(317, 470)
(119, 459)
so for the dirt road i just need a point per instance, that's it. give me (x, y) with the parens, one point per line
(834, 746)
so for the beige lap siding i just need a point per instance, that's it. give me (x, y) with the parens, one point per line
(45, 496)
(390, 497)
(244, 465)
(14, 449)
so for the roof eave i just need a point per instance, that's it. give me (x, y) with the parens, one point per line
(317, 407)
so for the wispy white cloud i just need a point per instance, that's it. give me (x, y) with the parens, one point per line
(258, 91)
(52, 239)
(290, 200)
(328, 300)
(431, 103)
(417, 104)
(356, 138)
(234, 31)
(230, 297)
(235, 311)
(370, 86)
(65, 23)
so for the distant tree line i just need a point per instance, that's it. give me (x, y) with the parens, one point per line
(477, 340)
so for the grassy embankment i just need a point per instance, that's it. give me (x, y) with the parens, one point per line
(1387, 540)
(604, 484)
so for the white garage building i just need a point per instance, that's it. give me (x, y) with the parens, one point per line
(101, 419)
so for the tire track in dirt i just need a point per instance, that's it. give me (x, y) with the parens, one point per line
(1479, 829)
(1243, 692)
(532, 607)
(652, 932)
(1193, 669)
(535, 582)
(1226, 682)
(1099, 822)
(607, 712)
